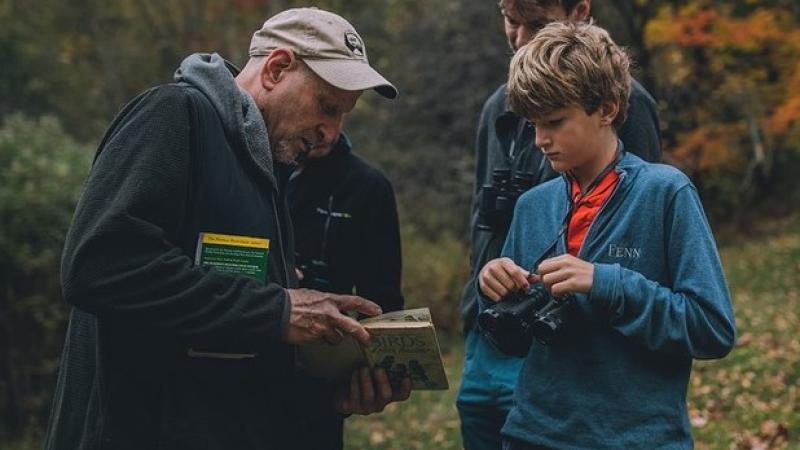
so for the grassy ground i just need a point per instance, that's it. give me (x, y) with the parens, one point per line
(749, 400)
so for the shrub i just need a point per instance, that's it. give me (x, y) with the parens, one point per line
(41, 173)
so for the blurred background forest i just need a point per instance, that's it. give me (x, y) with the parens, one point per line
(726, 75)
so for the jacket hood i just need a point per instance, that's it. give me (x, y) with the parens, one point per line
(214, 76)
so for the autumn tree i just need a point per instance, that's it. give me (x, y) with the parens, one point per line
(728, 76)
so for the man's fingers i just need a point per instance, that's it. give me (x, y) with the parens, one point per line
(342, 400)
(370, 391)
(383, 385)
(367, 390)
(350, 326)
(404, 392)
(355, 303)
(333, 336)
(355, 391)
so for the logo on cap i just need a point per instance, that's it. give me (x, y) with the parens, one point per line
(352, 41)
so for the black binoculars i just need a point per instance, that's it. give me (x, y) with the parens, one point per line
(498, 199)
(513, 323)
(316, 274)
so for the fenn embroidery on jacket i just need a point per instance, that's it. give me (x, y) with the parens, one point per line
(622, 252)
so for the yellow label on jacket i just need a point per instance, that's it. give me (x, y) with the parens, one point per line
(238, 241)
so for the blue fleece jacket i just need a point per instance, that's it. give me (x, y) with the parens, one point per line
(618, 377)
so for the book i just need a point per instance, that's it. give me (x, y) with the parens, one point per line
(403, 342)
(237, 255)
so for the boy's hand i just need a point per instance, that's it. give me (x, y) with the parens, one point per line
(565, 274)
(499, 277)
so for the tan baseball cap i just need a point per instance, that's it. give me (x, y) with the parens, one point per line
(327, 43)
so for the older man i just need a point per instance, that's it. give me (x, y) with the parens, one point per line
(163, 352)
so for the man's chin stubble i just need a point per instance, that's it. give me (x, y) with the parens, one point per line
(283, 152)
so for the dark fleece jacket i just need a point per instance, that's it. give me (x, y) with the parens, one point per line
(179, 160)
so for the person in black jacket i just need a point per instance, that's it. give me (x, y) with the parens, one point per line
(345, 211)
(504, 151)
(162, 353)
(344, 215)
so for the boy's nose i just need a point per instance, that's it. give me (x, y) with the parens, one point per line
(542, 141)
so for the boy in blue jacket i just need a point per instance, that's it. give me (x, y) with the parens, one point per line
(627, 240)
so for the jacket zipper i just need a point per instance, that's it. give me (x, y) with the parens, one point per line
(602, 208)
(280, 240)
(324, 246)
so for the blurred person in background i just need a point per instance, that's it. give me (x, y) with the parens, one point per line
(506, 158)
(344, 217)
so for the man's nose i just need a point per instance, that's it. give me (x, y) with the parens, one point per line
(330, 131)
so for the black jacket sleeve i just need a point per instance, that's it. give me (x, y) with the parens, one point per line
(379, 276)
(478, 241)
(121, 257)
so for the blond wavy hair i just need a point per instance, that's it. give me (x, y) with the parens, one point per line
(569, 64)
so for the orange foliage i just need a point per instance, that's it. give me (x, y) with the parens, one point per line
(788, 112)
(746, 68)
(751, 32)
(690, 27)
(695, 26)
(785, 116)
(705, 148)
(696, 30)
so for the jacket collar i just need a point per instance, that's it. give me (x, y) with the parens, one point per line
(627, 167)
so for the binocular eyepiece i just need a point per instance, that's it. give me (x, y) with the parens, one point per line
(316, 274)
(498, 199)
(512, 324)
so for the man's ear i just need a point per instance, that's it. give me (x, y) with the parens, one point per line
(608, 112)
(277, 64)
(581, 11)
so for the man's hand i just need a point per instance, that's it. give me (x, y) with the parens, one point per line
(565, 274)
(499, 277)
(318, 315)
(369, 393)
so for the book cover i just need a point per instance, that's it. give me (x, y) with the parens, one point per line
(403, 342)
(240, 255)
